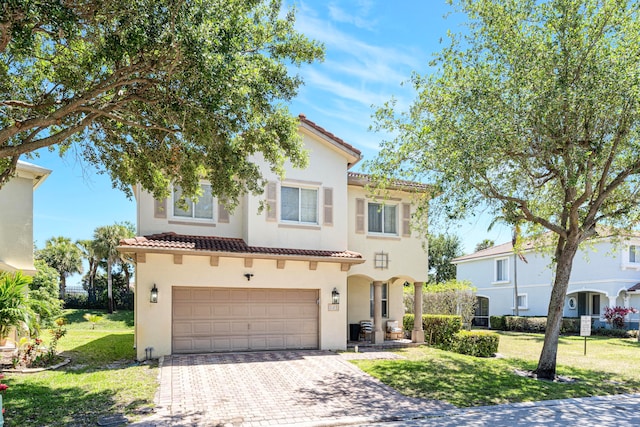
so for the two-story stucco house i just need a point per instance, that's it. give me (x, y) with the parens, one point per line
(16, 218)
(604, 275)
(325, 254)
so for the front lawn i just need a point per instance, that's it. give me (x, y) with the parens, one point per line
(102, 378)
(468, 381)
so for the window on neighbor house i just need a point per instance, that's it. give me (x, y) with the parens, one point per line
(595, 304)
(385, 302)
(299, 205)
(383, 218)
(634, 256)
(200, 209)
(523, 302)
(502, 270)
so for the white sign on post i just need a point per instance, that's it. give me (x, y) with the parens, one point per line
(585, 326)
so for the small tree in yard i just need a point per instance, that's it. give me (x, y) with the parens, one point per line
(533, 114)
(615, 315)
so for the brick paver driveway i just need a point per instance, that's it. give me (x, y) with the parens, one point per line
(311, 388)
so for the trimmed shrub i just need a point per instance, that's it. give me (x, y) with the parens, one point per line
(475, 343)
(407, 321)
(614, 332)
(440, 329)
(497, 323)
(525, 324)
(570, 325)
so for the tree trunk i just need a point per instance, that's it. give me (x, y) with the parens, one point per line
(63, 286)
(564, 255)
(109, 287)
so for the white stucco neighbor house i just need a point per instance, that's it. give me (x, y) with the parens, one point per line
(605, 274)
(16, 218)
(324, 255)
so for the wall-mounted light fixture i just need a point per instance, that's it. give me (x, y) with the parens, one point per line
(335, 296)
(154, 294)
(248, 276)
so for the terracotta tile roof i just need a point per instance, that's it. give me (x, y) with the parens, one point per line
(361, 179)
(172, 240)
(323, 131)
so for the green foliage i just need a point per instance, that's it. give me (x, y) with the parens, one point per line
(154, 91)
(93, 319)
(64, 256)
(438, 329)
(475, 343)
(614, 332)
(498, 323)
(452, 297)
(485, 244)
(15, 310)
(43, 294)
(524, 115)
(443, 248)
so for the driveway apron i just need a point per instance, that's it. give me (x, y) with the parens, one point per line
(306, 388)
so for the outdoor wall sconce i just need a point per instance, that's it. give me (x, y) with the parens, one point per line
(248, 276)
(154, 294)
(335, 296)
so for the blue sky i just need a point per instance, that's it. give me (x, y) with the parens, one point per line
(371, 48)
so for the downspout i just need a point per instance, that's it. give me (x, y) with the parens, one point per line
(515, 283)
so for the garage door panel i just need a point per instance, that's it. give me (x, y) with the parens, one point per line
(231, 319)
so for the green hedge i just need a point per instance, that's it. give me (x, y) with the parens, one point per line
(475, 343)
(438, 329)
(614, 332)
(570, 325)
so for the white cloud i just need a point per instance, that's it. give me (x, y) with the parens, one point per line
(361, 20)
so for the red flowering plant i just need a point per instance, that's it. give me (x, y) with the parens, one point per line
(3, 388)
(615, 315)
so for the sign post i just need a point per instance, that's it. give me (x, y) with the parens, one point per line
(585, 330)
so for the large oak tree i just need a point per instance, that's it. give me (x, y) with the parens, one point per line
(153, 91)
(532, 111)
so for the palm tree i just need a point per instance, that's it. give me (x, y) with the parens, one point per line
(89, 253)
(63, 255)
(106, 240)
(15, 310)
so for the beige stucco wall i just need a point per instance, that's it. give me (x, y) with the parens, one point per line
(153, 321)
(407, 255)
(16, 218)
(327, 169)
(148, 224)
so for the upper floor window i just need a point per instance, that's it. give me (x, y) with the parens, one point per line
(200, 209)
(299, 204)
(383, 218)
(634, 256)
(502, 270)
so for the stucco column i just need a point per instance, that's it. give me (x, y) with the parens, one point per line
(417, 334)
(378, 332)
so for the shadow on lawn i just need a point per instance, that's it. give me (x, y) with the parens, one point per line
(76, 316)
(114, 351)
(477, 382)
(32, 404)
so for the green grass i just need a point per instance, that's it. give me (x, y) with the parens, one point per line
(468, 381)
(102, 378)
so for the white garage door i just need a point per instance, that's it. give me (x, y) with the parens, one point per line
(240, 319)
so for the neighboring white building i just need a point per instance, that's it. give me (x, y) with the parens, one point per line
(261, 281)
(16, 218)
(604, 274)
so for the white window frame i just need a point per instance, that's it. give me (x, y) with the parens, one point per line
(300, 188)
(525, 306)
(193, 218)
(495, 271)
(381, 208)
(627, 264)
